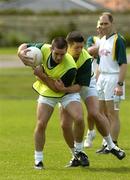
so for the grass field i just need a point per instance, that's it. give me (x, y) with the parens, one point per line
(17, 122)
(9, 50)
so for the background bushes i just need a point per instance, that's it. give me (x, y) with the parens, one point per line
(16, 28)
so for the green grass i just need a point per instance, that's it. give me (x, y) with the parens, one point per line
(128, 50)
(17, 123)
(16, 83)
(8, 50)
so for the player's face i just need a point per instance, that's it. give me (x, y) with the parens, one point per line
(75, 49)
(100, 32)
(58, 54)
(106, 25)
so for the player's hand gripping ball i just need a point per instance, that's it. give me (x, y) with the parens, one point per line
(35, 54)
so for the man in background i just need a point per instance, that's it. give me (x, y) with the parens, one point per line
(112, 70)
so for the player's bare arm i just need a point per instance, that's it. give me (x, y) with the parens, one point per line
(93, 50)
(70, 89)
(119, 89)
(39, 72)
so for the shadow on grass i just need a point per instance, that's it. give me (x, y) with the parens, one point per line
(122, 169)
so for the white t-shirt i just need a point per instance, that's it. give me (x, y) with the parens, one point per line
(106, 53)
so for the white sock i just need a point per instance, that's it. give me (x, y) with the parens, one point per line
(90, 131)
(38, 156)
(104, 143)
(109, 141)
(72, 151)
(78, 146)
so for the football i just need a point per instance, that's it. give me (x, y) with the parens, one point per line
(36, 54)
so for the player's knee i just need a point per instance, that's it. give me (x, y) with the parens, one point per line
(79, 117)
(79, 120)
(41, 125)
(93, 114)
(65, 125)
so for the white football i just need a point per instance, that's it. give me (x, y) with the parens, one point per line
(36, 54)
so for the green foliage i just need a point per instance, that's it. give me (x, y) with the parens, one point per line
(13, 38)
(61, 31)
(15, 29)
(127, 38)
(16, 12)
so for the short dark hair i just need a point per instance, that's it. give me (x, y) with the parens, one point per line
(60, 43)
(74, 36)
(110, 17)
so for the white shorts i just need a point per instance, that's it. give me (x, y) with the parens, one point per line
(89, 91)
(65, 100)
(50, 101)
(92, 89)
(105, 86)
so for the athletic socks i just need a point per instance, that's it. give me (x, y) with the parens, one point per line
(38, 156)
(109, 142)
(78, 146)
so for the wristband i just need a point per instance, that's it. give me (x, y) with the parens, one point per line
(120, 83)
